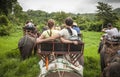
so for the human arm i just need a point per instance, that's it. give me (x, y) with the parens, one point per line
(104, 29)
(39, 40)
(42, 36)
(68, 41)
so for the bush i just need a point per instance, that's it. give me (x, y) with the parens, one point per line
(14, 53)
(28, 67)
(117, 25)
(95, 27)
(7, 65)
(5, 26)
(14, 67)
(83, 26)
(91, 67)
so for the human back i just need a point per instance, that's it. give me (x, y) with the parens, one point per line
(67, 32)
(51, 31)
(48, 33)
(110, 31)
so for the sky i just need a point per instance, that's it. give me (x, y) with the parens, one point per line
(73, 6)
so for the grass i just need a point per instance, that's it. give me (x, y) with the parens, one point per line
(91, 56)
(10, 63)
(91, 40)
(12, 66)
(9, 42)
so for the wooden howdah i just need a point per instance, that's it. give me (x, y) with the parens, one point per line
(74, 51)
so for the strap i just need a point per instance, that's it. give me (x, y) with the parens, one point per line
(69, 31)
(50, 34)
(47, 62)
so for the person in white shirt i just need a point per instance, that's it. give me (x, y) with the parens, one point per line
(110, 31)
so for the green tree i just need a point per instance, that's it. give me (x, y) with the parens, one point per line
(5, 26)
(17, 9)
(105, 13)
(59, 17)
(6, 6)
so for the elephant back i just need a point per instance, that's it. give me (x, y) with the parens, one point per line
(26, 45)
(63, 74)
(113, 70)
(26, 40)
(111, 59)
(61, 67)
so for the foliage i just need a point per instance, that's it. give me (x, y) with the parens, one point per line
(83, 26)
(17, 9)
(10, 63)
(59, 17)
(118, 25)
(91, 26)
(95, 26)
(12, 66)
(91, 56)
(87, 21)
(117, 10)
(91, 64)
(5, 26)
(6, 6)
(105, 13)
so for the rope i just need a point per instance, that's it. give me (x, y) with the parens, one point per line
(59, 74)
(46, 63)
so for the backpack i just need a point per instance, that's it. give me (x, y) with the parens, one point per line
(72, 37)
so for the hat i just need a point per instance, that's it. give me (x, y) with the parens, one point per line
(109, 24)
(75, 23)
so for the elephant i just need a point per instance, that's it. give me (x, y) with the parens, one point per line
(60, 67)
(103, 57)
(26, 44)
(113, 69)
(63, 74)
(110, 62)
(108, 53)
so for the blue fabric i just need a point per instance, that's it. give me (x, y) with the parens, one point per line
(77, 29)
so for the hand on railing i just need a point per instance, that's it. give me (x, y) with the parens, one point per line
(38, 40)
(75, 42)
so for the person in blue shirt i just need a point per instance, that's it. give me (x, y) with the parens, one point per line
(75, 27)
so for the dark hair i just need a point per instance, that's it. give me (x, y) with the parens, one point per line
(69, 21)
(109, 25)
(27, 22)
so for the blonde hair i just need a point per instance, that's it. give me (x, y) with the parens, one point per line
(51, 23)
